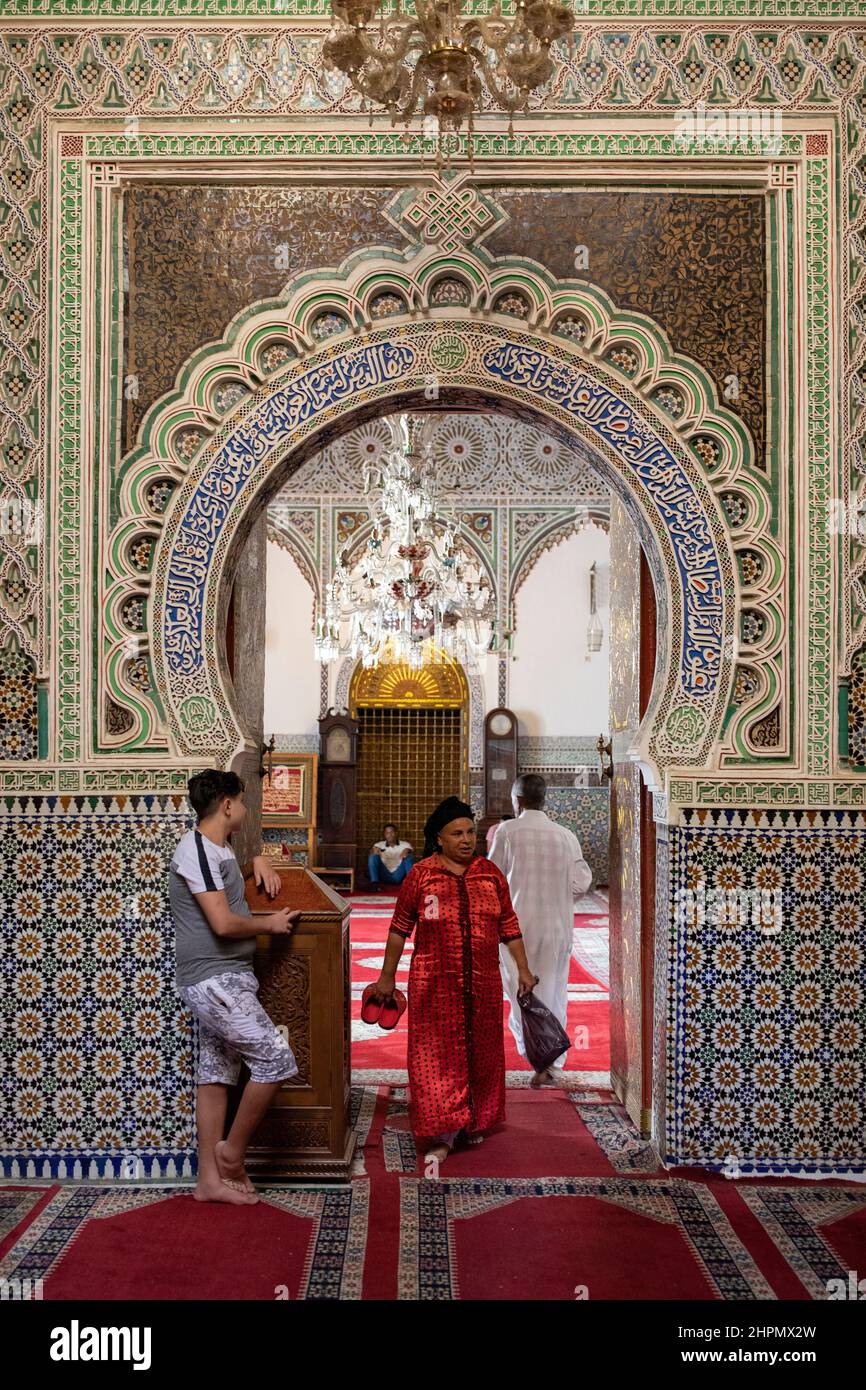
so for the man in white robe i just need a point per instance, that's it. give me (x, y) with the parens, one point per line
(546, 874)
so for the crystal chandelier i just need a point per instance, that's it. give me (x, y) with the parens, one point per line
(441, 62)
(414, 596)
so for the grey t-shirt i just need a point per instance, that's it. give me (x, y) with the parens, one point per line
(200, 866)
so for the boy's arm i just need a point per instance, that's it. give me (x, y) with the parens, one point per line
(264, 873)
(225, 923)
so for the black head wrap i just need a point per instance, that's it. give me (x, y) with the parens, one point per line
(452, 808)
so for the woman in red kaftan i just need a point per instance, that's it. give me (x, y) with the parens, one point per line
(460, 909)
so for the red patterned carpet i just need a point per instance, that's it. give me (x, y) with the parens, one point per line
(375, 1051)
(563, 1201)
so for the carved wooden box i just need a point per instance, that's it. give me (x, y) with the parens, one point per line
(304, 984)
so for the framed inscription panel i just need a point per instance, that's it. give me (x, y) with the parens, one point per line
(289, 792)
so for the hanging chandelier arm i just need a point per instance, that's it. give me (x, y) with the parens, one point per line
(368, 85)
(404, 29)
(356, 53)
(491, 30)
(407, 30)
(498, 92)
(419, 82)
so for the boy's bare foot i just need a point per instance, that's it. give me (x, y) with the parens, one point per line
(220, 1191)
(539, 1078)
(234, 1175)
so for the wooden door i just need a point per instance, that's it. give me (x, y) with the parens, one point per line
(632, 839)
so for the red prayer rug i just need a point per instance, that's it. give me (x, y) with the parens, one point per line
(151, 1244)
(563, 1202)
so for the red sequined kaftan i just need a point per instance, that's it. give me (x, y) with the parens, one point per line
(456, 1055)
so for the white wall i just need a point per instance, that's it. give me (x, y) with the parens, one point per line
(291, 670)
(553, 689)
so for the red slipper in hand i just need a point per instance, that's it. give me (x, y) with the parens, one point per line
(392, 1011)
(371, 1009)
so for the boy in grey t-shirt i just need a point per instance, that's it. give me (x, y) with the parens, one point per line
(215, 934)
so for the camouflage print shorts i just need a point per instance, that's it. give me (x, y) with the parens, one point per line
(233, 1027)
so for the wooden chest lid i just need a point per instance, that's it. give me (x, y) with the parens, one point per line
(299, 889)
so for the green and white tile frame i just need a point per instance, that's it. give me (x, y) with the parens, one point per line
(760, 1036)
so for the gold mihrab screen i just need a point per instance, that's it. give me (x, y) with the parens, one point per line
(408, 761)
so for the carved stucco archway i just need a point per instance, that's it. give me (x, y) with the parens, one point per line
(325, 358)
(679, 520)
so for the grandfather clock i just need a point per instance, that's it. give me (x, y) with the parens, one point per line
(500, 768)
(337, 830)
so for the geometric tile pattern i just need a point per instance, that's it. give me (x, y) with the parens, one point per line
(586, 812)
(767, 1034)
(857, 710)
(19, 718)
(95, 1043)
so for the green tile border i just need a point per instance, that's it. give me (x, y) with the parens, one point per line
(67, 279)
(152, 145)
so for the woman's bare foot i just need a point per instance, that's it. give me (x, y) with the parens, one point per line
(437, 1153)
(474, 1139)
(234, 1175)
(220, 1191)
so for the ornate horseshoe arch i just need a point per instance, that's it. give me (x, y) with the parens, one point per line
(438, 328)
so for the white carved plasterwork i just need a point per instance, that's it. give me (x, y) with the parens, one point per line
(479, 457)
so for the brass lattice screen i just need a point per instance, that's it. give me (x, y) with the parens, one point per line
(408, 760)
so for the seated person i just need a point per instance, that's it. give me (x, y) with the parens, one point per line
(390, 859)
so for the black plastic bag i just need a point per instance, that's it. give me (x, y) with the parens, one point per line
(544, 1037)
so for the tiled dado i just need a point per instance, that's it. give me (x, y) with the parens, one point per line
(586, 812)
(766, 1030)
(96, 1075)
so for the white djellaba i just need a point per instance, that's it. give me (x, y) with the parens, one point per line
(546, 874)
